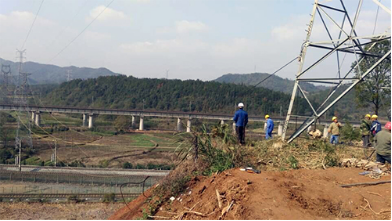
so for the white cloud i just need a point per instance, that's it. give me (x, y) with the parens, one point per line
(295, 28)
(170, 47)
(188, 26)
(108, 15)
(18, 19)
(95, 36)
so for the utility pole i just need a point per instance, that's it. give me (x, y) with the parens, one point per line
(55, 153)
(20, 155)
(167, 74)
(281, 111)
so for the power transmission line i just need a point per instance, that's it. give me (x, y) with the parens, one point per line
(31, 27)
(77, 36)
(70, 21)
(275, 72)
(375, 21)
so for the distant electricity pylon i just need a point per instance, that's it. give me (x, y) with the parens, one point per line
(69, 75)
(347, 42)
(6, 71)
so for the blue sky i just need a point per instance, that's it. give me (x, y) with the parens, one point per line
(193, 39)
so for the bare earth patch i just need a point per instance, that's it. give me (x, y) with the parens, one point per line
(60, 211)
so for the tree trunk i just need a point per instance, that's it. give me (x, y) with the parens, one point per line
(377, 105)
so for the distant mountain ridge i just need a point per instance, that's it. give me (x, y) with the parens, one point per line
(273, 83)
(52, 74)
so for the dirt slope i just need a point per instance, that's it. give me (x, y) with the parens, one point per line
(295, 194)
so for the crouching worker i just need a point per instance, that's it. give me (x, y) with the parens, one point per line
(241, 120)
(382, 143)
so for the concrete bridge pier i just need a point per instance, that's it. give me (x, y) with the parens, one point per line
(325, 134)
(33, 116)
(90, 121)
(133, 122)
(265, 126)
(234, 132)
(188, 126)
(37, 118)
(280, 129)
(141, 124)
(179, 124)
(85, 120)
(222, 122)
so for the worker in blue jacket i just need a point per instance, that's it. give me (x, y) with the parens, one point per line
(241, 120)
(269, 128)
(376, 126)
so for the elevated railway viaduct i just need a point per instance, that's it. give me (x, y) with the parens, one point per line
(90, 113)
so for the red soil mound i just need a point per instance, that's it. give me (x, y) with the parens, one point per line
(295, 194)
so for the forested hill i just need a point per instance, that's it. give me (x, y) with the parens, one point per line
(122, 92)
(274, 82)
(52, 74)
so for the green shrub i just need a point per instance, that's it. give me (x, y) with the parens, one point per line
(62, 164)
(73, 199)
(216, 147)
(140, 166)
(103, 164)
(127, 165)
(75, 163)
(109, 197)
(49, 163)
(5, 154)
(151, 166)
(293, 162)
(33, 161)
(348, 133)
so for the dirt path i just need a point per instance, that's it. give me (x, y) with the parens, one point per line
(54, 211)
(295, 194)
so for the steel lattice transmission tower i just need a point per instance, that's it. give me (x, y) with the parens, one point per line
(339, 39)
(6, 71)
(20, 99)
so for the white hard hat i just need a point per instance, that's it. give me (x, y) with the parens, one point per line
(240, 105)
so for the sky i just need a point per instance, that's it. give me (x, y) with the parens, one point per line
(186, 39)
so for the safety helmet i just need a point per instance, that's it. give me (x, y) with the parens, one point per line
(374, 116)
(240, 105)
(388, 126)
(334, 118)
(367, 115)
(267, 116)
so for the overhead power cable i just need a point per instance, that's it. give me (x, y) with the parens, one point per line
(70, 21)
(31, 27)
(77, 36)
(276, 71)
(375, 21)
